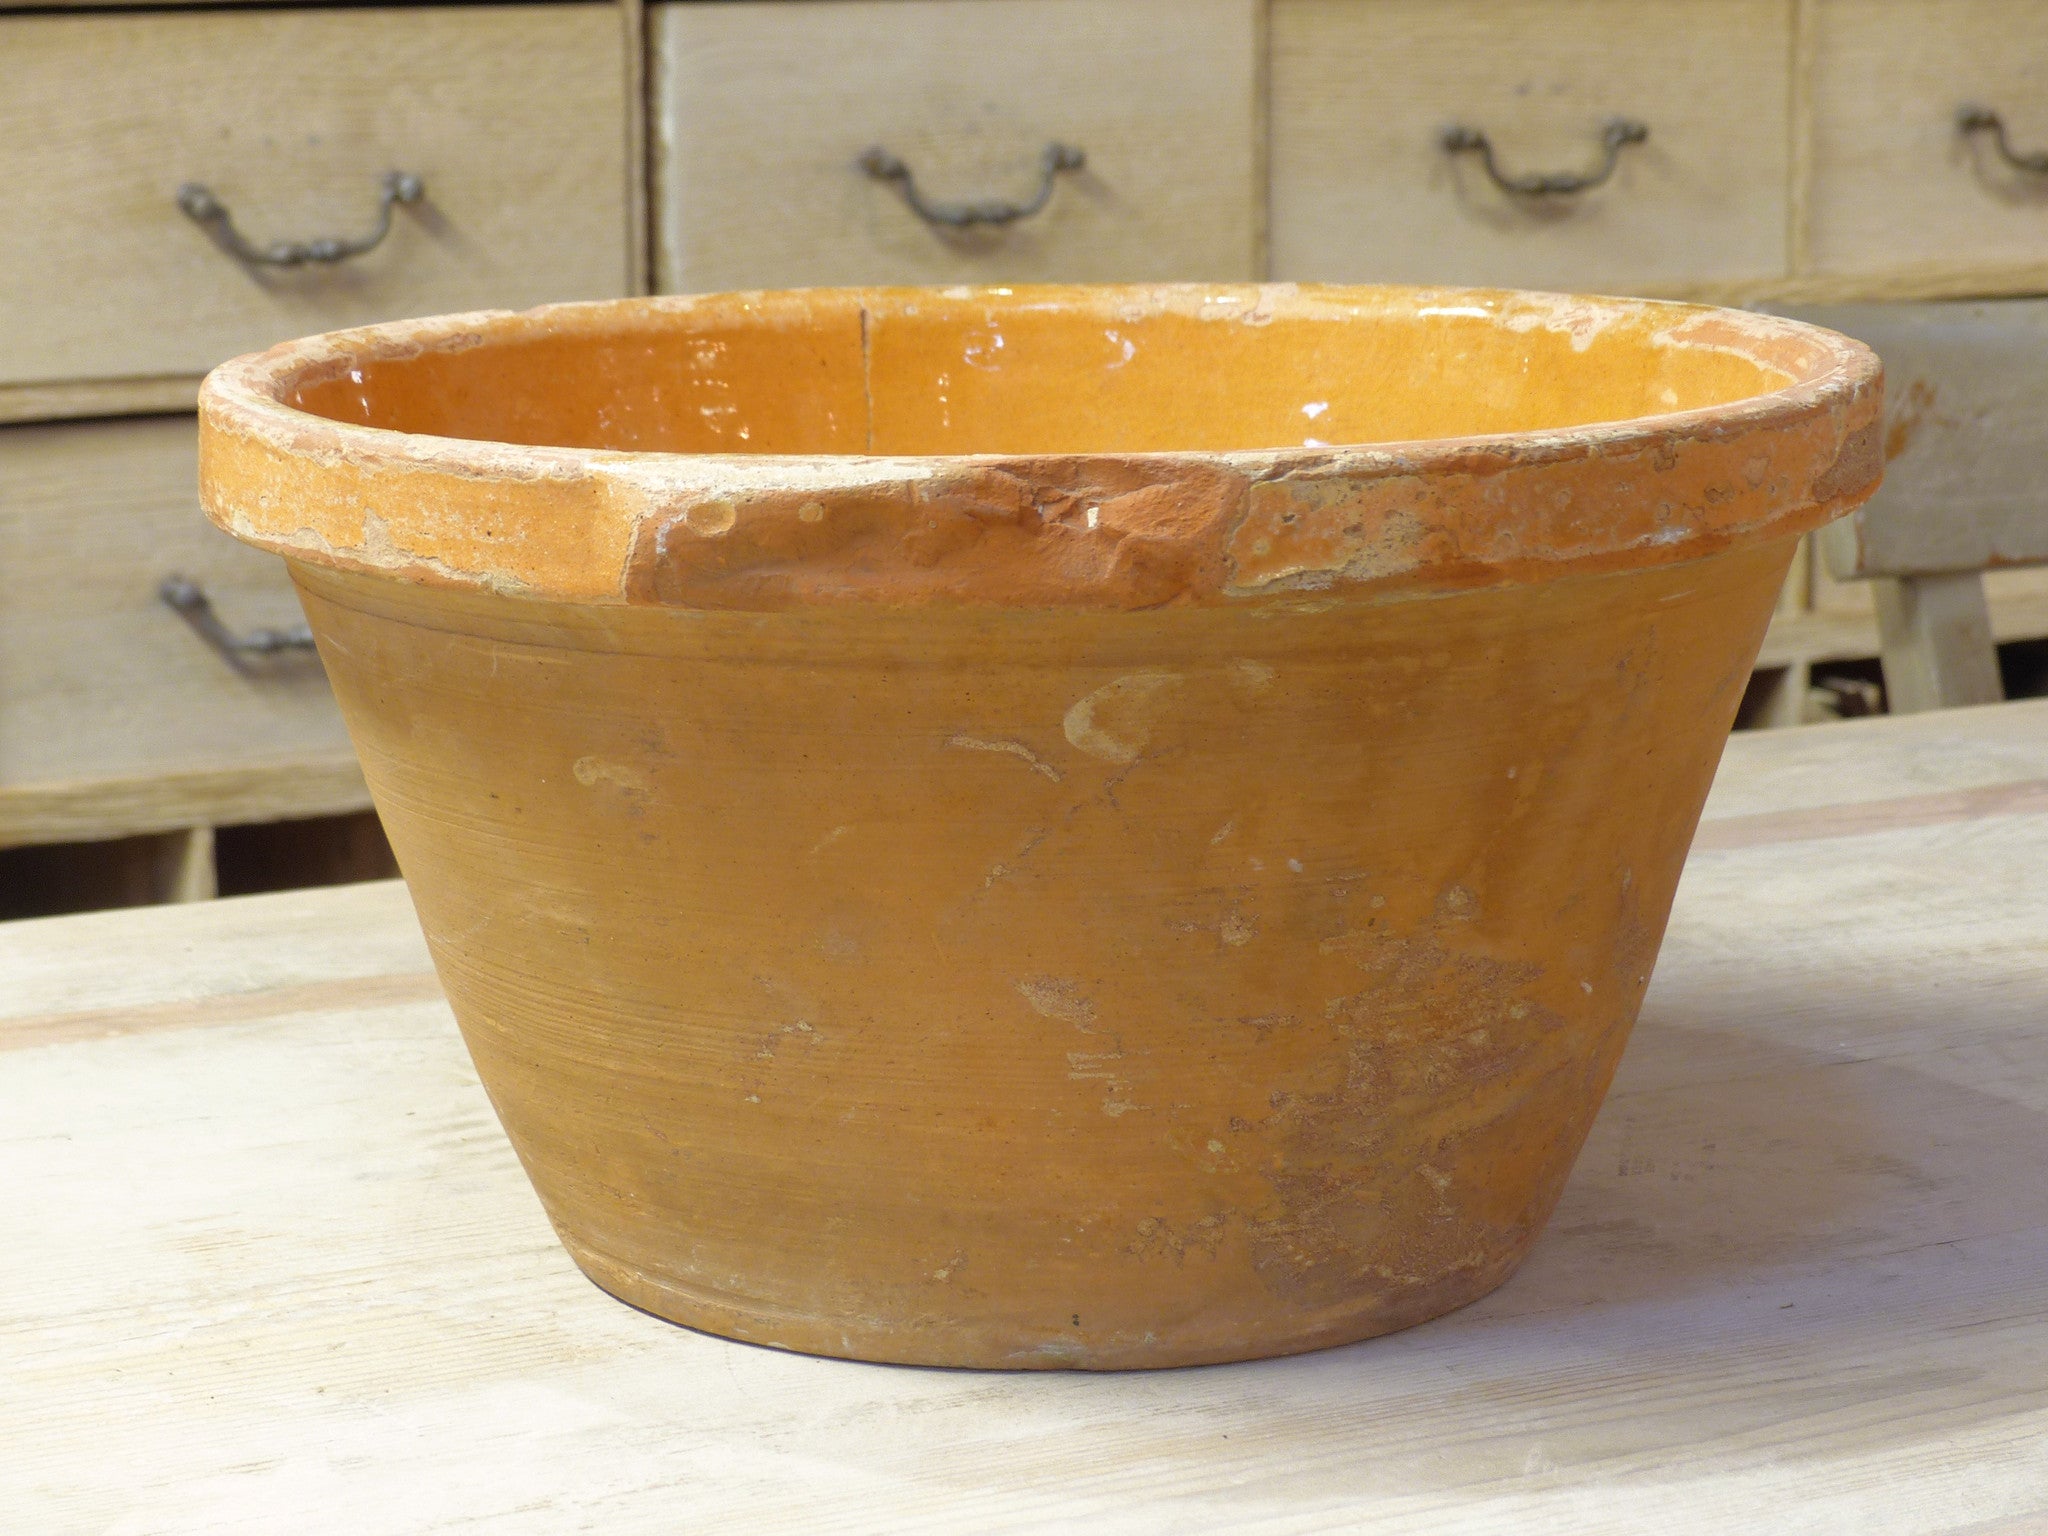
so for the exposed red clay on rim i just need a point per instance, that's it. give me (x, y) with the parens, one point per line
(1789, 438)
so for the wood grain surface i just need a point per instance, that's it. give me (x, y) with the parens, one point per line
(99, 397)
(1897, 192)
(116, 718)
(1846, 630)
(1362, 190)
(291, 117)
(762, 110)
(276, 1268)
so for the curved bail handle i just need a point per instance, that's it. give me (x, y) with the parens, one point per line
(188, 598)
(199, 205)
(1975, 119)
(1054, 158)
(1618, 133)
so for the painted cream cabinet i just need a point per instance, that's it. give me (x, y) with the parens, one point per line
(463, 156)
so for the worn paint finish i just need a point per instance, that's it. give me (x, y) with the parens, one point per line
(1072, 980)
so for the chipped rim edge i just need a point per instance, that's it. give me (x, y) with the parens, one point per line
(244, 399)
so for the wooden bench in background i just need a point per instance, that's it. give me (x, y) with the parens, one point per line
(1965, 492)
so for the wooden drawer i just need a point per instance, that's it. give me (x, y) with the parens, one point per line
(764, 110)
(115, 717)
(513, 117)
(1897, 187)
(1363, 188)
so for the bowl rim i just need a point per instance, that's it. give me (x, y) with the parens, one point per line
(260, 454)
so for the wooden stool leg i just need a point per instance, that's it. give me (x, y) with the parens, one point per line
(1935, 633)
(183, 866)
(1783, 699)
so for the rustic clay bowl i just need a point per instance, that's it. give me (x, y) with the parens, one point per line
(958, 828)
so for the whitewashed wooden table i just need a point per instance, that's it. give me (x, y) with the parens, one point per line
(267, 1265)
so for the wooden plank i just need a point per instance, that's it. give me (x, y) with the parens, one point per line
(242, 947)
(291, 117)
(98, 397)
(1888, 758)
(165, 799)
(283, 1257)
(1364, 191)
(157, 5)
(763, 110)
(2025, 796)
(266, 1004)
(2017, 598)
(1953, 278)
(1852, 636)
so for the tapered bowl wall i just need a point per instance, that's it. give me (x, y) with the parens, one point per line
(1048, 988)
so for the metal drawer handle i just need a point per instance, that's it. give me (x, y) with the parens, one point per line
(883, 166)
(192, 604)
(1971, 120)
(1617, 135)
(207, 211)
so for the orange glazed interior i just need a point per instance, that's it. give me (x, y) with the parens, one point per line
(1027, 372)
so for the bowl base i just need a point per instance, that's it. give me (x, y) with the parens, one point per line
(997, 1346)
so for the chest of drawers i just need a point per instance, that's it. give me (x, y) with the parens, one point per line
(196, 181)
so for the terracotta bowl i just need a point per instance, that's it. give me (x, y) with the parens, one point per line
(1047, 827)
